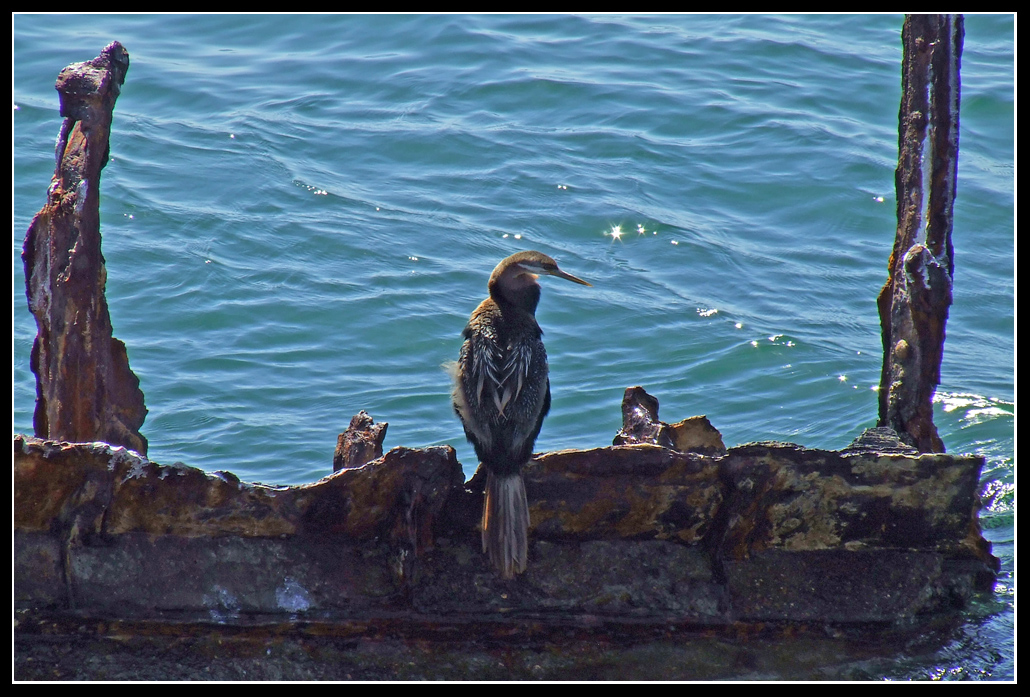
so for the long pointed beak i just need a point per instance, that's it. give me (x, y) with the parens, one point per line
(567, 276)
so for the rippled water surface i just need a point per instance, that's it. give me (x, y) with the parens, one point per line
(300, 212)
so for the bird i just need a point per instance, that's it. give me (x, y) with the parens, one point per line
(502, 393)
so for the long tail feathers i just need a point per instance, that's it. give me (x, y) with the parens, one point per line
(506, 524)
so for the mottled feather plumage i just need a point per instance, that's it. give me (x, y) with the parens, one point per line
(502, 394)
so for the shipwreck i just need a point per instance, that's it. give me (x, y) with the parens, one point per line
(665, 533)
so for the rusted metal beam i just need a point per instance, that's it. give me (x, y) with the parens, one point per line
(85, 390)
(914, 302)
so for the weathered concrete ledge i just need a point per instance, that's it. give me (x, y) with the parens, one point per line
(635, 533)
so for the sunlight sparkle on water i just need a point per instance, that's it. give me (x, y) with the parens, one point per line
(977, 407)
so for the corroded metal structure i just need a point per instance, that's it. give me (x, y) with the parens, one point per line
(85, 390)
(663, 536)
(915, 300)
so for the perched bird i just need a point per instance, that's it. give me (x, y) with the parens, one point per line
(502, 394)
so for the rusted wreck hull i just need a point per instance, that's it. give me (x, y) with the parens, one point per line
(85, 389)
(627, 533)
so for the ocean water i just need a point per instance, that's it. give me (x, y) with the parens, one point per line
(300, 212)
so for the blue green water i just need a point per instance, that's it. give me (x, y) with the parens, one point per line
(300, 212)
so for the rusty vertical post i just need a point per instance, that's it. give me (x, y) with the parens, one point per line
(85, 390)
(913, 304)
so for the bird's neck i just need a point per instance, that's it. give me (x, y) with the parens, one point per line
(524, 298)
